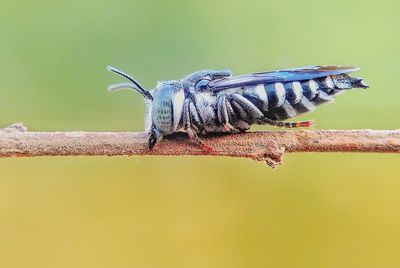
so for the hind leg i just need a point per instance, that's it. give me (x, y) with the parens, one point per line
(271, 122)
(224, 110)
(251, 113)
(244, 108)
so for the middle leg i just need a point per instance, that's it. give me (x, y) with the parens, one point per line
(190, 115)
(224, 111)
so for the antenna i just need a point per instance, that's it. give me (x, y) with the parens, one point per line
(136, 86)
(121, 86)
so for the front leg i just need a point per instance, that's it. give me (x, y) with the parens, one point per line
(154, 138)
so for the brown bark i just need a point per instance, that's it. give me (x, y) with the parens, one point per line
(268, 146)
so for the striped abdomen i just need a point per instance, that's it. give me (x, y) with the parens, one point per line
(280, 101)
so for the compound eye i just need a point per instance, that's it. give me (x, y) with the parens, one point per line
(202, 84)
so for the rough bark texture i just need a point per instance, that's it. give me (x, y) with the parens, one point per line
(267, 146)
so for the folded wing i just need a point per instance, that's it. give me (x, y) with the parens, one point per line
(288, 75)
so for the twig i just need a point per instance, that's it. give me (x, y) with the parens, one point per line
(268, 146)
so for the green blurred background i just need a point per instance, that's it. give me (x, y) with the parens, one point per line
(317, 210)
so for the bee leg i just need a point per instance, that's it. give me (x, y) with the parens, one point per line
(285, 124)
(193, 136)
(224, 108)
(231, 129)
(154, 138)
(246, 110)
(189, 114)
(256, 116)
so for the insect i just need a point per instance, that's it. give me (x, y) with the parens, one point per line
(212, 101)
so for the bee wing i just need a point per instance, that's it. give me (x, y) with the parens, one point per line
(288, 75)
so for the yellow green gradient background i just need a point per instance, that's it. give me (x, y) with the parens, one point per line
(317, 210)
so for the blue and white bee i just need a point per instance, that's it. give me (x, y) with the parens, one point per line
(215, 101)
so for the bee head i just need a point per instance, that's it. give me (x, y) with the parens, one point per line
(165, 111)
(200, 80)
(164, 104)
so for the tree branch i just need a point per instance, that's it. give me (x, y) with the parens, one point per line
(268, 146)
